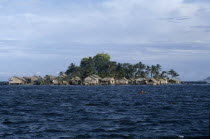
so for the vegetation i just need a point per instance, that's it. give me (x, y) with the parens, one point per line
(101, 65)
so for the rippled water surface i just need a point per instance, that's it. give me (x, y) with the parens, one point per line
(104, 111)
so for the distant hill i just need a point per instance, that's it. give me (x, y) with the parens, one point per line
(207, 79)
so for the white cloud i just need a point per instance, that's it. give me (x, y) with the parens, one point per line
(36, 29)
(110, 21)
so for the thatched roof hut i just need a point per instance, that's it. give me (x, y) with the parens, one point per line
(174, 81)
(140, 81)
(92, 80)
(163, 81)
(152, 81)
(121, 81)
(17, 81)
(108, 81)
(76, 81)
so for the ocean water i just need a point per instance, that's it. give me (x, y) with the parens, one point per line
(168, 111)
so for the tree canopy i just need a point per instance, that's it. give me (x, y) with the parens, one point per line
(102, 65)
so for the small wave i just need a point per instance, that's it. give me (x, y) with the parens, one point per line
(83, 136)
(127, 129)
(7, 122)
(127, 122)
(97, 104)
(54, 130)
(51, 114)
(98, 130)
(116, 136)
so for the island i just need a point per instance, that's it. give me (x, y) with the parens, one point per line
(100, 70)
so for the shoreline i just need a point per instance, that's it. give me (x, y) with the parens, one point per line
(110, 85)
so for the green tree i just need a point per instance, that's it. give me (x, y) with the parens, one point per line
(101, 64)
(148, 71)
(173, 73)
(153, 70)
(72, 71)
(40, 82)
(47, 80)
(140, 70)
(164, 74)
(119, 70)
(128, 70)
(61, 73)
(157, 71)
(112, 68)
(86, 67)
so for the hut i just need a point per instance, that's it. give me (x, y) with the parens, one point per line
(108, 81)
(27, 79)
(17, 81)
(35, 80)
(65, 83)
(140, 81)
(51, 77)
(76, 81)
(92, 80)
(174, 81)
(55, 82)
(152, 81)
(163, 81)
(63, 75)
(48, 79)
(97, 77)
(121, 81)
(131, 81)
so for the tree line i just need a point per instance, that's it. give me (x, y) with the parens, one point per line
(101, 65)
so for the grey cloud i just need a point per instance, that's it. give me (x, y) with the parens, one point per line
(40, 32)
(174, 18)
(201, 27)
(195, 1)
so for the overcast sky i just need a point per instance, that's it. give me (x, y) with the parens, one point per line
(45, 36)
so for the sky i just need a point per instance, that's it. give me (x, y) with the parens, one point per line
(39, 37)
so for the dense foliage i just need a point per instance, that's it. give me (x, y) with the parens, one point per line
(101, 65)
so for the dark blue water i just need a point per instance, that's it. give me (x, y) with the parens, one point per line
(104, 111)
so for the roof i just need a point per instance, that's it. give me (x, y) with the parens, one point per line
(107, 79)
(19, 78)
(152, 79)
(63, 75)
(162, 79)
(96, 76)
(76, 78)
(140, 79)
(51, 77)
(122, 79)
(28, 78)
(174, 80)
(36, 77)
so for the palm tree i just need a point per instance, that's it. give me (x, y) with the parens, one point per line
(153, 70)
(119, 70)
(112, 68)
(70, 69)
(173, 73)
(140, 70)
(148, 71)
(164, 74)
(128, 70)
(158, 69)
